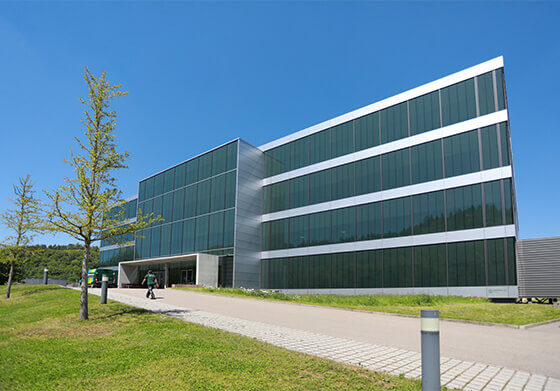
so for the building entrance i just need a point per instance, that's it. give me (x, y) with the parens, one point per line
(188, 276)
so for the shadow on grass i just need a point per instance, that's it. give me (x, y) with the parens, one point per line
(39, 289)
(122, 311)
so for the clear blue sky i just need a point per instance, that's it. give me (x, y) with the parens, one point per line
(201, 74)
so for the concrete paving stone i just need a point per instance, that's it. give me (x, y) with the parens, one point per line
(552, 385)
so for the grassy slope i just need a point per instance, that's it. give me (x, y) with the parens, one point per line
(465, 308)
(43, 345)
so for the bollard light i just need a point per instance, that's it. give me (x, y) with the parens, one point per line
(104, 284)
(45, 276)
(105, 278)
(429, 330)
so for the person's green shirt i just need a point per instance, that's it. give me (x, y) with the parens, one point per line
(150, 278)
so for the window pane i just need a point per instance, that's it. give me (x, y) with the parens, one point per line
(149, 188)
(155, 242)
(342, 139)
(158, 207)
(176, 238)
(458, 102)
(496, 262)
(369, 269)
(299, 191)
(342, 178)
(179, 203)
(343, 270)
(268, 160)
(190, 201)
(500, 89)
(169, 180)
(486, 93)
(493, 201)
(299, 229)
(146, 243)
(430, 266)
(396, 169)
(464, 207)
(219, 160)
(203, 198)
(367, 131)
(229, 227)
(204, 166)
(394, 123)
(508, 190)
(180, 175)
(319, 271)
(299, 153)
(218, 195)
(201, 233)
(368, 175)
(424, 113)
(466, 264)
(343, 225)
(461, 154)
(167, 208)
(158, 184)
(192, 171)
(188, 236)
(319, 147)
(396, 217)
(142, 191)
(368, 221)
(297, 273)
(279, 234)
(231, 178)
(281, 159)
(427, 162)
(512, 272)
(265, 274)
(231, 156)
(147, 208)
(265, 242)
(397, 267)
(279, 196)
(489, 138)
(319, 187)
(429, 213)
(320, 228)
(504, 143)
(216, 234)
(165, 240)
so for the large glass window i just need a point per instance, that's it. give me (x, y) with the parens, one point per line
(149, 188)
(508, 191)
(277, 272)
(342, 139)
(231, 156)
(500, 89)
(397, 267)
(343, 270)
(429, 213)
(512, 269)
(496, 262)
(169, 180)
(504, 143)
(158, 184)
(146, 243)
(299, 191)
(202, 233)
(142, 191)
(343, 225)
(176, 238)
(461, 154)
(396, 217)
(367, 131)
(180, 175)
(424, 113)
(167, 213)
(216, 232)
(190, 201)
(394, 123)
(229, 227)
(342, 179)
(396, 169)
(430, 266)
(466, 264)
(217, 197)
(188, 236)
(489, 138)
(493, 201)
(464, 207)
(219, 160)
(458, 102)
(157, 206)
(203, 198)
(368, 175)
(319, 147)
(268, 161)
(486, 93)
(297, 273)
(204, 166)
(319, 187)
(369, 269)
(165, 240)
(155, 242)
(299, 229)
(319, 271)
(368, 221)
(278, 234)
(279, 199)
(281, 159)
(427, 162)
(320, 228)
(299, 153)
(192, 171)
(179, 204)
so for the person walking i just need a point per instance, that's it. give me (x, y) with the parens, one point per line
(152, 281)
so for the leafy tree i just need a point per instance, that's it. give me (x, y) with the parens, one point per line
(80, 206)
(23, 221)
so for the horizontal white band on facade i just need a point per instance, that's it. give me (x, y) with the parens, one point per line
(116, 246)
(436, 134)
(500, 231)
(420, 188)
(454, 78)
(132, 197)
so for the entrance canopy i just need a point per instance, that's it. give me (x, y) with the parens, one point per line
(197, 268)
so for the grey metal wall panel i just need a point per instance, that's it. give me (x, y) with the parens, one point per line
(247, 241)
(538, 267)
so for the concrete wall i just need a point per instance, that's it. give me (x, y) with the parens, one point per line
(128, 274)
(207, 270)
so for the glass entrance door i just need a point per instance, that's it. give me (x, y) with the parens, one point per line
(188, 276)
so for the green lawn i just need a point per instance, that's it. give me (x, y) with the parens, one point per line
(452, 307)
(43, 346)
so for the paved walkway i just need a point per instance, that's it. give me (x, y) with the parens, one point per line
(374, 341)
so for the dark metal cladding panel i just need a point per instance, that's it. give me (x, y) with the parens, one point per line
(538, 267)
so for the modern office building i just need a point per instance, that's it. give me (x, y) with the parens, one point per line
(414, 193)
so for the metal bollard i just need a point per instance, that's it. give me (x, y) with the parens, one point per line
(430, 350)
(104, 284)
(45, 276)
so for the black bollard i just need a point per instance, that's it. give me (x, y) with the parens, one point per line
(104, 284)
(430, 350)
(45, 276)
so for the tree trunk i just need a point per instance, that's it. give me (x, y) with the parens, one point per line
(10, 279)
(84, 296)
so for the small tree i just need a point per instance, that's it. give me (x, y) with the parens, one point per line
(80, 207)
(23, 221)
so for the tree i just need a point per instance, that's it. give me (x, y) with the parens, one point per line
(23, 221)
(80, 207)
